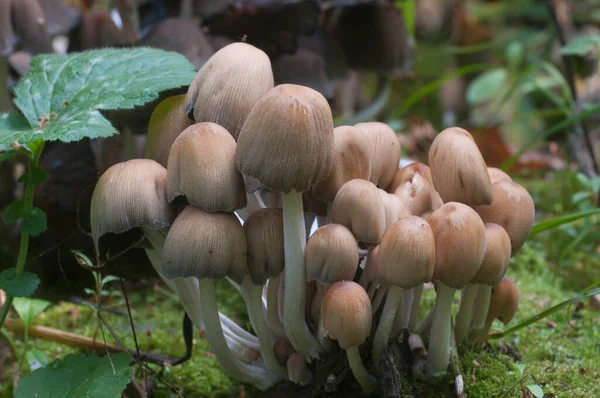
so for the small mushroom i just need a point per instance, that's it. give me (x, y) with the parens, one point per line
(385, 152)
(414, 186)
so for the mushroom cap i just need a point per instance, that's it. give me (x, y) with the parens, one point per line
(513, 209)
(416, 192)
(351, 160)
(264, 237)
(205, 246)
(385, 152)
(497, 175)
(407, 173)
(459, 243)
(504, 301)
(167, 121)
(228, 86)
(31, 26)
(61, 17)
(287, 140)
(458, 170)
(128, 195)
(97, 30)
(201, 166)
(394, 208)
(331, 254)
(346, 313)
(406, 254)
(7, 34)
(283, 349)
(497, 256)
(358, 206)
(305, 67)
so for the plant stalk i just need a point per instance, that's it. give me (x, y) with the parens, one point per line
(465, 311)
(439, 341)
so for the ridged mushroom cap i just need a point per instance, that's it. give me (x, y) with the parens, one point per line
(286, 142)
(385, 152)
(458, 170)
(394, 208)
(351, 160)
(504, 301)
(513, 209)
(459, 237)
(497, 175)
(406, 254)
(331, 254)
(129, 195)
(358, 206)
(407, 173)
(346, 313)
(205, 246)
(264, 237)
(228, 85)
(167, 121)
(415, 189)
(202, 167)
(497, 256)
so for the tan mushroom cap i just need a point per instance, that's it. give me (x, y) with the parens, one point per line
(497, 256)
(513, 209)
(129, 195)
(504, 301)
(359, 207)
(408, 172)
(385, 152)
(205, 246)
(406, 254)
(458, 170)
(331, 254)
(415, 189)
(264, 237)
(228, 86)
(394, 208)
(351, 160)
(167, 121)
(201, 166)
(497, 175)
(346, 313)
(459, 243)
(283, 349)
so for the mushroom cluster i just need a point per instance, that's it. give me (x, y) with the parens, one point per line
(236, 175)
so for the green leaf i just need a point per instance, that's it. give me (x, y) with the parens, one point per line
(78, 376)
(11, 124)
(14, 212)
(18, 286)
(61, 96)
(558, 221)
(29, 308)
(520, 367)
(34, 222)
(535, 390)
(38, 175)
(581, 45)
(409, 11)
(486, 86)
(36, 359)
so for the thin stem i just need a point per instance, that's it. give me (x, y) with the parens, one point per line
(272, 308)
(425, 324)
(379, 296)
(482, 304)
(366, 380)
(465, 311)
(386, 322)
(403, 314)
(415, 307)
(439, 341)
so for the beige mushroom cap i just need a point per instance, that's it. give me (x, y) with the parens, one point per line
(331, 254)
(497, 256)
(205, 246)
(394, 208)
(385, 152)
(415, 189)
(408, 172)
(504, 301)
(264, 237)
(346, 313)
(497, 175)
(287, 140)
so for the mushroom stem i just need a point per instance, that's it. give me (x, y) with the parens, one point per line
(294, 236)
(272, 307)
(364, 277)
(425, 325)
(439, 340)
(366, 380)
(386, 322)
(417, 291)
(317, 300)
(371, 291)
(253, 202)
(403, 314)
(482, 304)
(379, 296)
(463, 316)
(478, 337)
(247, 373)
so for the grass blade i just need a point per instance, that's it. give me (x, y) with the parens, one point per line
(558, 221)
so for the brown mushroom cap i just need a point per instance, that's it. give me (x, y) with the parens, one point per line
(228, 86)
(406, 254)
(287, 140)
(264, 237)
(359, 207)
(458, 170)
(205, 246)
(513, 209)
(305, 67)
(351, 160)
(504, 301)
(346, 313)
(394, 208)
(385, 152)
(497, 175)
(201, 166)
(407, 173)
(497, 256)
(459, 243)
(415, 191)
(331, 254)
(168, 120)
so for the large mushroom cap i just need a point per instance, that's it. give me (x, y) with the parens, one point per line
(385, 152)
(331, 254)
(264, 236)
(497, 256)
(286, 142)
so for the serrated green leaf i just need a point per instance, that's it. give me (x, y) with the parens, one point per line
(581, 45)
(535, 390)
(18, 286)
(14, 212)
(29, 308)
(61, 96)
(36, 359)
(11, 124)
(34, 222)
(78, 376)
(487, 85)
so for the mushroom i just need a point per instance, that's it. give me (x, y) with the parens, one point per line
(297, 369)
(459, 237)
(406, 257)
(346, 315)
(413, 185)
(304, 67)
(286, 143)
(385, 152)
(458, 170)
(497, 175)
(30, 26)
(283, 350)
(228, 85)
